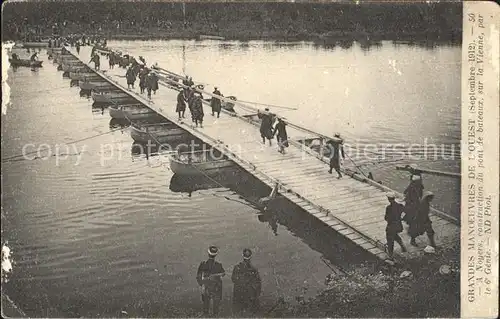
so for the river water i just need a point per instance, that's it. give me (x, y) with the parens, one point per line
(117, 235)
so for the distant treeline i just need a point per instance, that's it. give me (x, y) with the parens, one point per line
(383, 19)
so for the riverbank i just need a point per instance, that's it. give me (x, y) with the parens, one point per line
(245, 34)
(364, 292)
(387, 292)
(365, 38)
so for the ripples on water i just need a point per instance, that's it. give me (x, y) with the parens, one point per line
(94, 239)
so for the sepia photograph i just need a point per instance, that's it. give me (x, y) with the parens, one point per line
(236, 159)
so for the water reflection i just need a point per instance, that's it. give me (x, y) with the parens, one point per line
(244, 45)
(324, 45)
(271, 219)
(85, 93)
(153, 149)
(98, 107)
(226, 46)
(118, 123)
(189, 184)
(345, 44)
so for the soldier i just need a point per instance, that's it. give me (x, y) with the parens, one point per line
(131, 76)
(142, 79)
(282, 136)
(413, 194)
(151, 83)
(215, 103)
(247, 284)
(197, 110)
(337, 149)
(209, 278)
(34, 57)
(181, 104)
(422, 223)
(393, 214)
(97, 61)
(266, 126)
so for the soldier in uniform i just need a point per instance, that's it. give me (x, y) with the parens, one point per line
(97, 61)
(142, 78)
(197, 110)
(337, 150)
(282, 136)
(181, 104)
(215, 103)
(393, 213)
(151, 83)
(422, 223)
(266, 126)
(209, 278)
(413, 194)
(131, 76)
(247, 284)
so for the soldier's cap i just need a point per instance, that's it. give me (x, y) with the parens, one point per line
(415, 177)
(390, 195)
(247, 253)
(212, 250)
(337, 135)
(428, 194)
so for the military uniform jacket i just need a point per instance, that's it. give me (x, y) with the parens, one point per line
(393, 214)
(207, 268)
(247, 282)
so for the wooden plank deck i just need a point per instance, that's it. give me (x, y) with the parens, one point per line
(349, 206)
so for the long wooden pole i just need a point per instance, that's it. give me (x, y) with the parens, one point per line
(300, 128)
(414, 169)
(271, 105)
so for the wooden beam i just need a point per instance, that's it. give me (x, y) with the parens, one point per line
(416, 170)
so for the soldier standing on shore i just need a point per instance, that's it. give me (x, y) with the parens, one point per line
(247, 285)
(209, 278)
